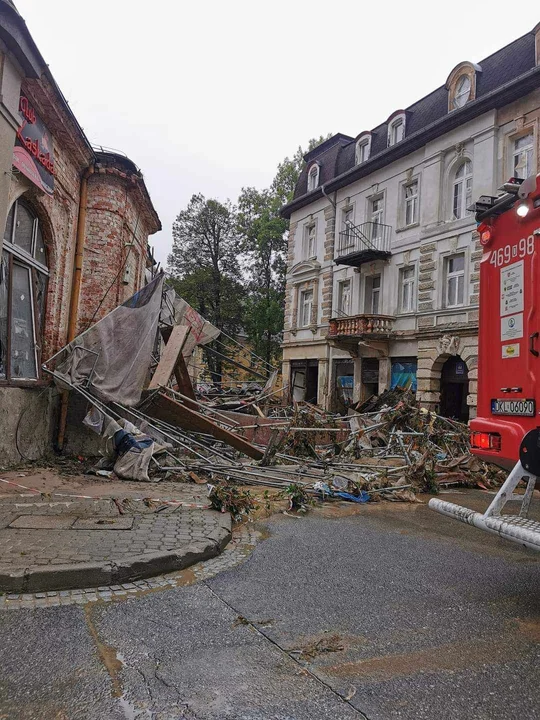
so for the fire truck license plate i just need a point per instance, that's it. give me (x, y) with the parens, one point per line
(513, 407)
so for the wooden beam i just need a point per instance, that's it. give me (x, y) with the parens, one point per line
(171, 411)
(169, 357)
(182, 378)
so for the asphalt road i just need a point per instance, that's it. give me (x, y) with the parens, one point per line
(384, 612)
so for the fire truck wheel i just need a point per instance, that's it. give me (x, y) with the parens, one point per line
(529, 452)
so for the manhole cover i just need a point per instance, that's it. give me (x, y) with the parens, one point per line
(42, 522)
(119, 523)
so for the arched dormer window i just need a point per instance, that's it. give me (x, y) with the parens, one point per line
(462, 190)
(313, 177)
(23, 286)
(363, 148)
(396, 127)
(461, 85)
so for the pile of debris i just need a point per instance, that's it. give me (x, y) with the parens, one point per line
(153, 424)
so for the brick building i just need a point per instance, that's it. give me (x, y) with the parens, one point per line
(383, 258)
(75, 243)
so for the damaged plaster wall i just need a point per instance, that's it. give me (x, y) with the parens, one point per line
(27, 419)
(79, 439)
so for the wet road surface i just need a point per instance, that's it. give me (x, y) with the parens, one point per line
(380, 612)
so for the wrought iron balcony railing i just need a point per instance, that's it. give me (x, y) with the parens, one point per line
(361, 243)
(358, 325)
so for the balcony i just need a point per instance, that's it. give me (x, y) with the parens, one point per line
(358, 326)
(358, 244)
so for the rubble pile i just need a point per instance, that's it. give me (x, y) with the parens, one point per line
(155, 422)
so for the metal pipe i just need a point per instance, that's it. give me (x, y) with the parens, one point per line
(75, 293)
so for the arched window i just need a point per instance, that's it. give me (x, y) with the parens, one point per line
(23, 287)
(462, 91)
(396, 128)
(363, 149)
(462, 190)
(461, 85)
(313, 177)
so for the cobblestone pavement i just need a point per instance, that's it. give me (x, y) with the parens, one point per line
(237, 551)
(53, 542)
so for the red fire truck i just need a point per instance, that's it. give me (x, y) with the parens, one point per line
(507, 428)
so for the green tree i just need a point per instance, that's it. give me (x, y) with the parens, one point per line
(204, 265)
(264, 233)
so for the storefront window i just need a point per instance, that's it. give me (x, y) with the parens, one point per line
(23, 288)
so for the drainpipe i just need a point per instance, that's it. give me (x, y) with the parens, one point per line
(329, 375)
(332, 202)
(75, 293)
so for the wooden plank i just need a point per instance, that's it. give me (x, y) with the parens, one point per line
(169, 357)
(183, 380)
(171, 411)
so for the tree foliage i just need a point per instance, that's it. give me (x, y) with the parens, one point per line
(264, 235)
(204, 264)
(210, 237)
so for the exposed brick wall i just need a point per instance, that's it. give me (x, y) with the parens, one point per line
(114, 219)
(117, 214)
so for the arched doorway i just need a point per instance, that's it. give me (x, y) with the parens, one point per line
(454, 389)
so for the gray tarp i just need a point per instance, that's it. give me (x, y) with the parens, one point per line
(112, 358)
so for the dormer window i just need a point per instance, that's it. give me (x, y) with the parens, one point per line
(313, 177)
(463, 91)
(461, 85)
(396, 129)
(363, 149)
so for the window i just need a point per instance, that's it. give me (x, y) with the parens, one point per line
(462, 91)
(406, 289)
(362, 150)
(344, 297)
(523, 156)
(396, 132)
(455, 280)
(23, 286)
(313, 177)
(306, 305)
(462, 191)
(377, 213)
(347, 236)
(373, 294)
(411, 203)
(461, 84)
(310, 241)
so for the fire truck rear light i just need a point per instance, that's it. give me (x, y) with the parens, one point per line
(486, 441)
(485, 237)
(522, 210)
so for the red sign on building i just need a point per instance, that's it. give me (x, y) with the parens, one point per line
(33, 152)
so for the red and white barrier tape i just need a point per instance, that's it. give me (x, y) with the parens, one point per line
(195, 506)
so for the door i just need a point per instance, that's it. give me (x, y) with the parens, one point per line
(312, 384)
(373, 295)
(370, 377)
(454, 389)
(305, 380)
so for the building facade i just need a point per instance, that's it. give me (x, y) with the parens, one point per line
(383, 255)
(76, 223)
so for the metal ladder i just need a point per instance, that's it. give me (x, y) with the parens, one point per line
(516, 528)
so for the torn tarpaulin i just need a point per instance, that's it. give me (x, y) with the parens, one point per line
(111, 359)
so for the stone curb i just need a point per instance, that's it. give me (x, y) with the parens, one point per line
(137, 567)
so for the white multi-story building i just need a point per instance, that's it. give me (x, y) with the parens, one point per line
(383, 259)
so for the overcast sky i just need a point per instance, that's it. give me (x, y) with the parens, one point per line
(210, 96)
